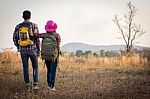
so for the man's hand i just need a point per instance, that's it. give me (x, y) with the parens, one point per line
(60, 52)
(38, 53)
(35, 34)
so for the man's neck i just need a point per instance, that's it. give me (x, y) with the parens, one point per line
(27, 20)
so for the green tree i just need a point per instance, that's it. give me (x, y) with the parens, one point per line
(79, 53)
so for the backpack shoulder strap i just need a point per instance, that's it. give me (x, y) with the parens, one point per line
(55, 34)
(31, 30)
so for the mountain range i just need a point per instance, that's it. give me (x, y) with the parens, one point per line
(74, 46)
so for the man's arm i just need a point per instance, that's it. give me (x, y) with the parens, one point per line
(37, 41)
(15, 37)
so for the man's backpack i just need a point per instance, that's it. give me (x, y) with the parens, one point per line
(25, 34)
(49, 49)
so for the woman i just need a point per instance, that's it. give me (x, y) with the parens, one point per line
(50, 51)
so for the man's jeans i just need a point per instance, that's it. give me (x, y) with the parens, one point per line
(51, 72)
(25, 61)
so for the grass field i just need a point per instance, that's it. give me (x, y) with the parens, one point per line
(79, 78)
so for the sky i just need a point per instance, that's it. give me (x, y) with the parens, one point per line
(86, 21)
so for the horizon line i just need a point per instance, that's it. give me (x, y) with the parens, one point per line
(105, 44)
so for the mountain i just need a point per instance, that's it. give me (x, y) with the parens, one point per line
(74, 46)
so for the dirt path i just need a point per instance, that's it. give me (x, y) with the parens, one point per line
(99, 84)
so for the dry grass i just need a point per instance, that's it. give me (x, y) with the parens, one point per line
(134, 61)
(10, 62)
(14, 60)
(80, 78)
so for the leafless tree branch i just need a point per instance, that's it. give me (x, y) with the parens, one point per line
(129, 30)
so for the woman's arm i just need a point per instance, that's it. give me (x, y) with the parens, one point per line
(40, 35)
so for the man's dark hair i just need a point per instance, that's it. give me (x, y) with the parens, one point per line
(26, 14)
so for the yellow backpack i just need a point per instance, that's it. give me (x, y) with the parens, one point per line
(25, 34)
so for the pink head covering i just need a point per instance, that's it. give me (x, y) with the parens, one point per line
(50, 26)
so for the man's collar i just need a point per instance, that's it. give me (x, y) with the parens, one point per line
(26, 20)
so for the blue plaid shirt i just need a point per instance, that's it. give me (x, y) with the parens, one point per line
(34, 46)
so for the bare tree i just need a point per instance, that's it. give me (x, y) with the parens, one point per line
(128, 29)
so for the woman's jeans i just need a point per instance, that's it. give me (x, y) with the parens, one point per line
(25, 55)
(51, 72)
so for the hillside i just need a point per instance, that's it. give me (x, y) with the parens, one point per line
(72, 47)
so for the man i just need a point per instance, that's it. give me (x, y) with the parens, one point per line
(28, 46)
